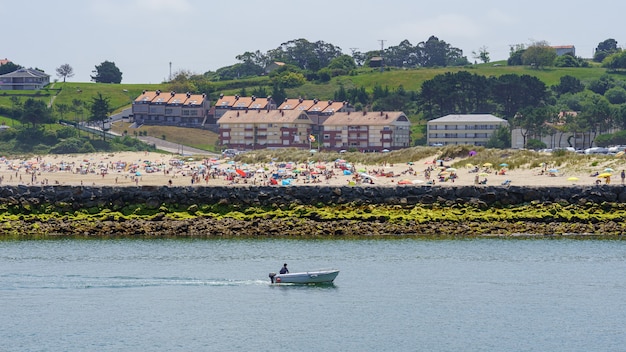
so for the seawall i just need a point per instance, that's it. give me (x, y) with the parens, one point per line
(75, 198)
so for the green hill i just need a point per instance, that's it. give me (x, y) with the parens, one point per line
(122, 95)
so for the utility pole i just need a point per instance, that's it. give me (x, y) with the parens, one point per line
(170, 79)
(382, 49)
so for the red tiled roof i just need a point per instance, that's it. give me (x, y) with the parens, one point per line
(364, 118)
(262, 116)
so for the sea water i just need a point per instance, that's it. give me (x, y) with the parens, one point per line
(391, 295)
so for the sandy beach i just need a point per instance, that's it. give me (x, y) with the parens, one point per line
(154, 169)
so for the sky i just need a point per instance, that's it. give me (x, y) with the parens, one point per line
(142, 37)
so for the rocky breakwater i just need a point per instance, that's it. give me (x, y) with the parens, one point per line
(316, 211)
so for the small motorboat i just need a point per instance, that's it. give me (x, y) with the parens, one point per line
(308, 277)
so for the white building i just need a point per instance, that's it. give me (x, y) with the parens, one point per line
(475, 129)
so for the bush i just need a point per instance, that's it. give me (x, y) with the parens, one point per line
(535, 144)
(67, 132)
(8, 134)
(68, 146)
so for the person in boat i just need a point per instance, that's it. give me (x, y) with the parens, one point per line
(284, 269)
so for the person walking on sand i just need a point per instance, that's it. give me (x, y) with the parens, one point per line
(623, 175)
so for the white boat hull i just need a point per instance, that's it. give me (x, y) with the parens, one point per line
(308, 277)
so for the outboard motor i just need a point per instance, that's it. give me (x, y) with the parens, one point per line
(272, 276)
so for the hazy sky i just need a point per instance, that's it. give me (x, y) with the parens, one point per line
(143, 36)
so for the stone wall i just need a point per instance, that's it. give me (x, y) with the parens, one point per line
(153, 197)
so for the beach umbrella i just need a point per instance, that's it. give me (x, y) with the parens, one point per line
(608, 169)
(553, 171)
(347, 172)
(451, 169)
(572, 179)
(483, 174)
(504, 165)
(241, 172)
(137, 173)
(605, 174)
(472, 153)
(469, 166)
(487, 164)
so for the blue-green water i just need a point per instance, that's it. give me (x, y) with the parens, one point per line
(391, 295)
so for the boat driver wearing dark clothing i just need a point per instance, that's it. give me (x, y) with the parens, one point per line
(284, 269)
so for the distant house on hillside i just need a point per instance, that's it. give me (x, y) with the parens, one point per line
(376, 61)
(24, 79)
(4, 61)
(273, 66)
(564, 49)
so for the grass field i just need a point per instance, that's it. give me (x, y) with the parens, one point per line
(192, 137)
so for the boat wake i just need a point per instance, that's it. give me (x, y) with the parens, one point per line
(18, 281)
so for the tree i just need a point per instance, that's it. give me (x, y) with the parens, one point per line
(433, 52)
(35, 112)
(515, 55)
(304, 54)
(65, 71)
(569, 60)
(100, 111)
(602, 84)
(539, 55)
(531, 121)
(8, 68)
(616, 95)
(182, 82)
(482, 54)
(616, 61)
(16, 106)
(256, 58)
(62, 109)
(513, 93)
(604, 49)
(568, 84)
(107, 72)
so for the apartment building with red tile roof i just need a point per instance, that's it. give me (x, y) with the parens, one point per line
(259, 129)
(366, 131)
(171, 108)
